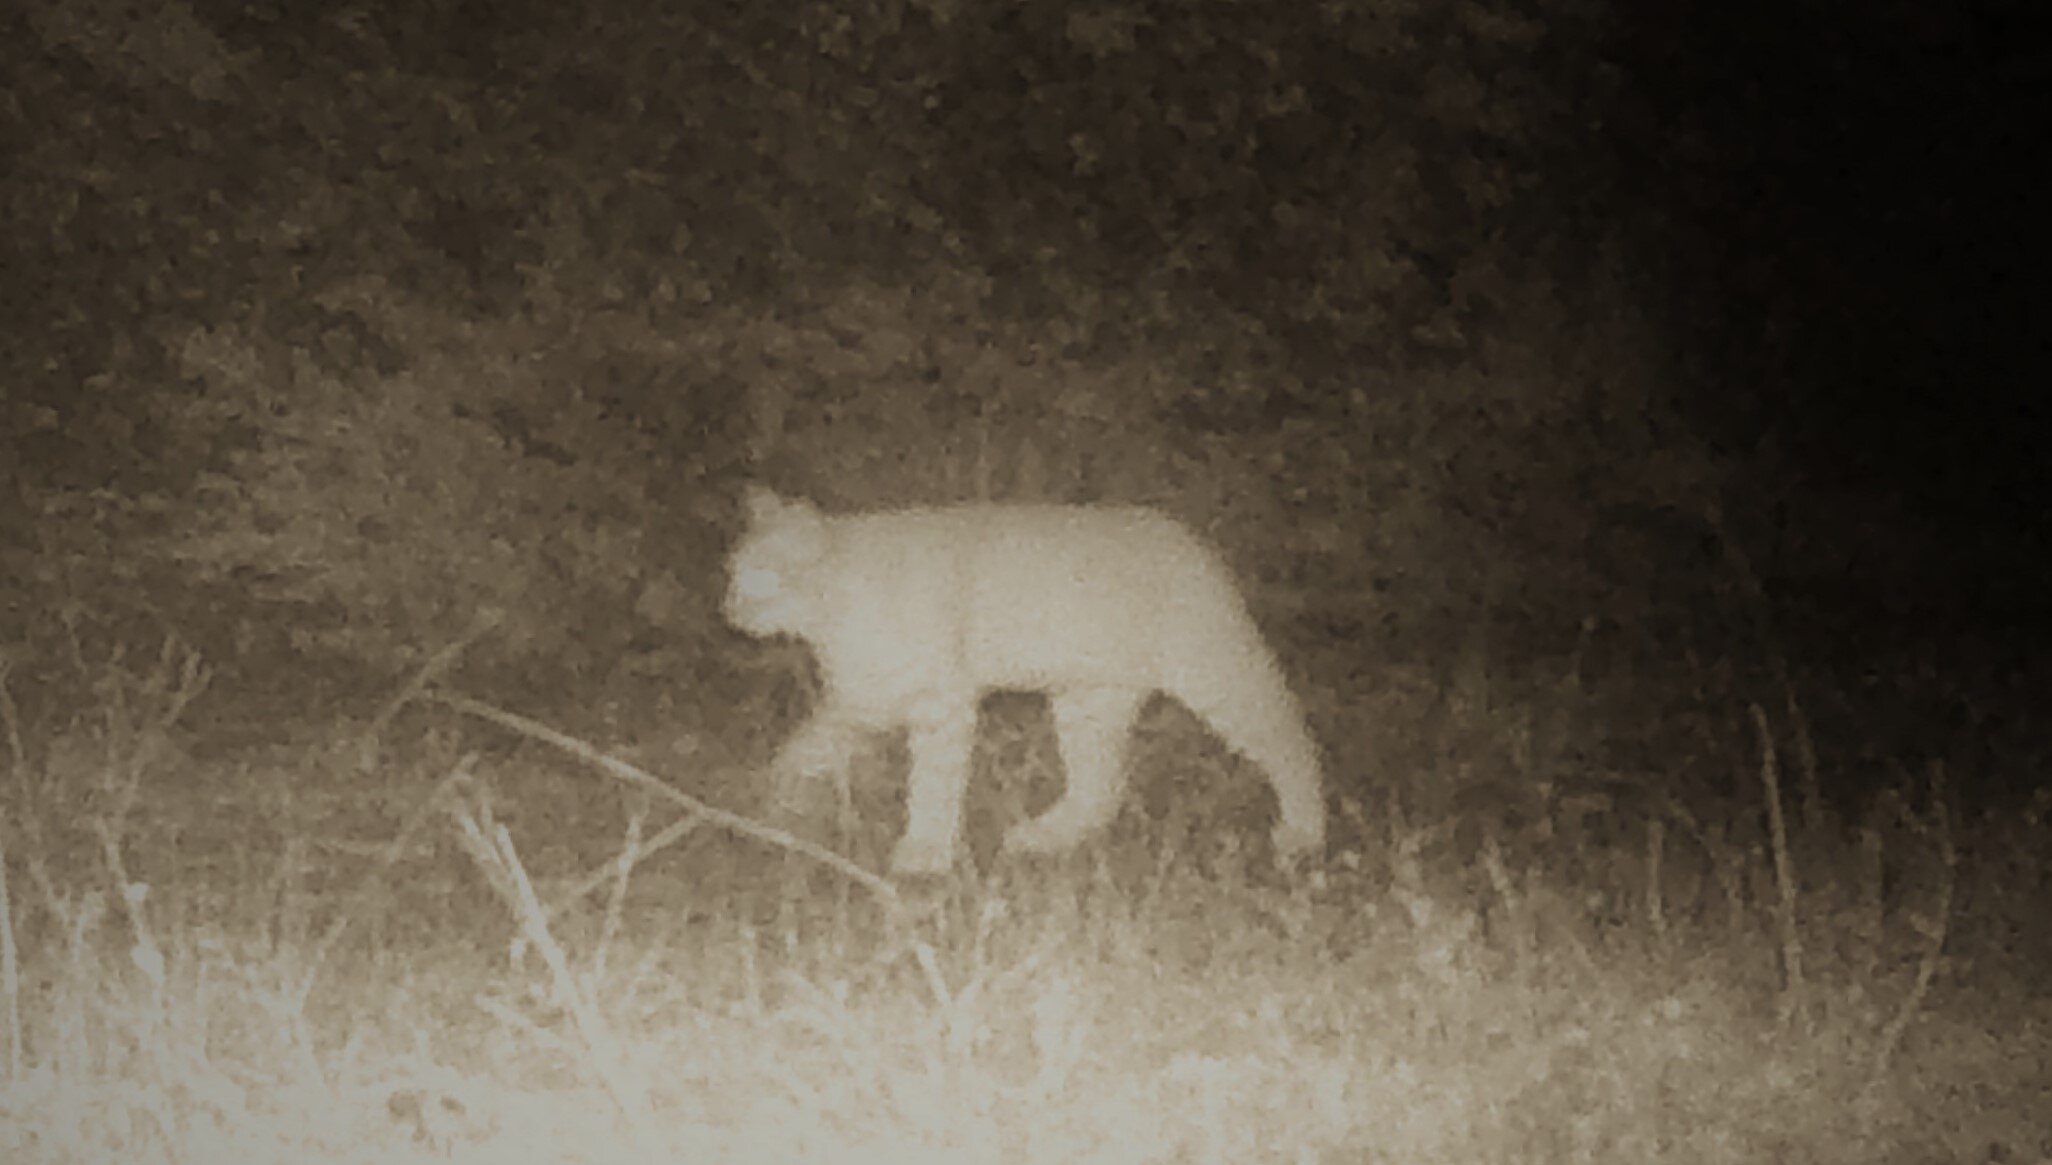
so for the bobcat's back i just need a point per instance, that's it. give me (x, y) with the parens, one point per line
(1029, 597)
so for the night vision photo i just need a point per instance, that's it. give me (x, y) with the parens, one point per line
(945, 580)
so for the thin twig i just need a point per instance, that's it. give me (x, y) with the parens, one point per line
(10, 718)
(620, 770)
(615, 870)
(10, 974)
(1806, 754)
(1741, 566)
(1933, 928)
(428, 673)
(1784, 873)
(623, 870)
(10, 966)
(1656, 850)
(491, 848)
(387, 857)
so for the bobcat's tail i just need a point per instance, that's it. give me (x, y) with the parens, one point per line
(1237, 686)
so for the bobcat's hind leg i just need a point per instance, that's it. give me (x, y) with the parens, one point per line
(1094, 725)
(940, 742)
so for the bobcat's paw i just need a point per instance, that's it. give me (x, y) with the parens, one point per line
(916, 856)
(1298, 842)
(1045, 834)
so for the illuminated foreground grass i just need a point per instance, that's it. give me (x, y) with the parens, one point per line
(305, 957)
(1382, 1010)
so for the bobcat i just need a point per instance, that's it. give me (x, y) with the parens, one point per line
(914, 614)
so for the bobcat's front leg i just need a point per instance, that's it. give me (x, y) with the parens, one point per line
(940, 740)
(812, 762)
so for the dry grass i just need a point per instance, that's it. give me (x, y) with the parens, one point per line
(419, 953)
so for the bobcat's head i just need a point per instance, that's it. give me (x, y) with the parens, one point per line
(772, 573)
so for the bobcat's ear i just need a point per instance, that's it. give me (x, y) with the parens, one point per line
(768, 510)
